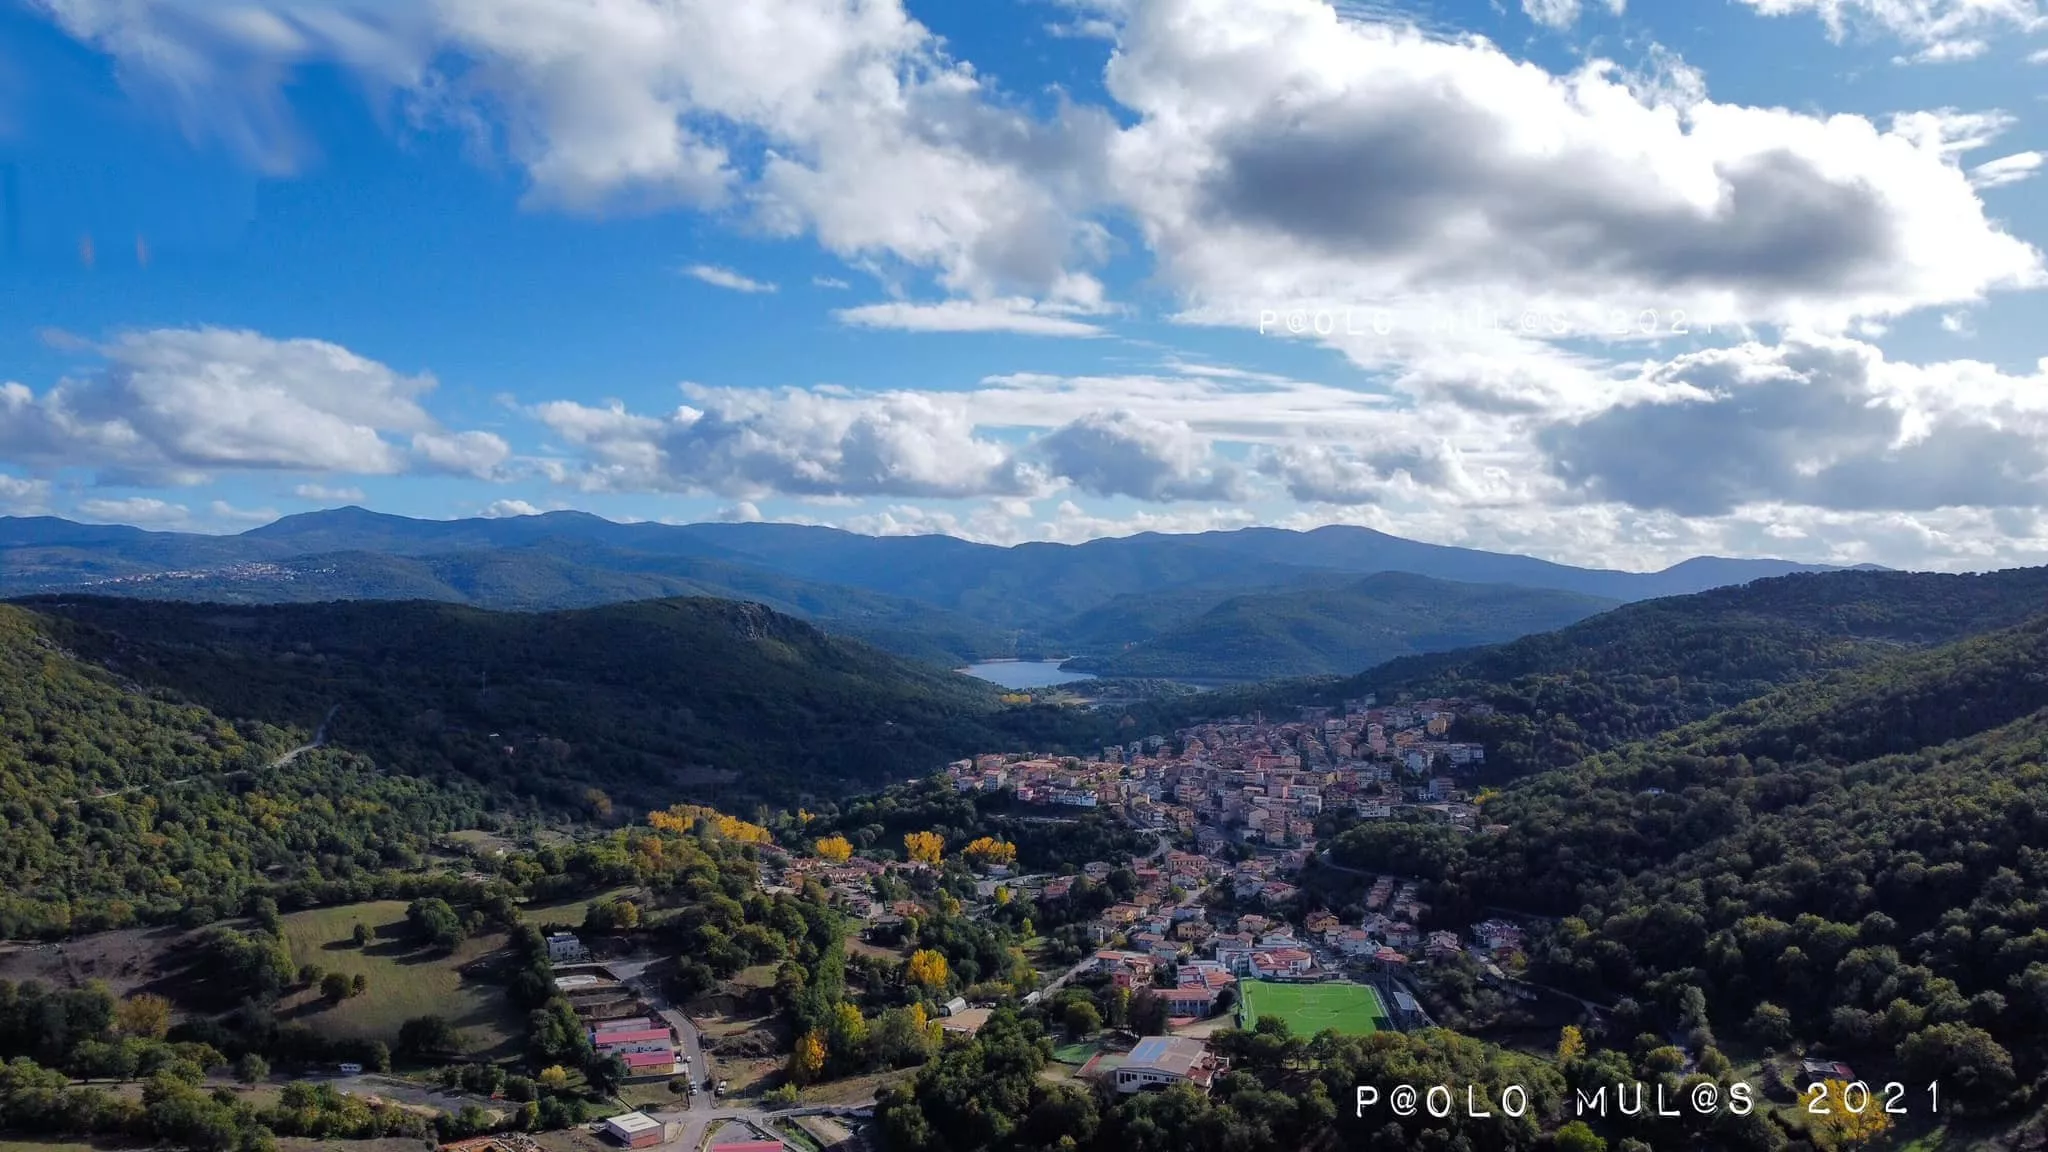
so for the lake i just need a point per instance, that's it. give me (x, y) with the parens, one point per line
(1019, 674)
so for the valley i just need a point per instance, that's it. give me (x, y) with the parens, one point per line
(864, 880)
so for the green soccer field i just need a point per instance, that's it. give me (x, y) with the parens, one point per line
(1350, 1009)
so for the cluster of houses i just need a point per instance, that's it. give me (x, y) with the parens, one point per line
(617, 1021)
(1253, 781)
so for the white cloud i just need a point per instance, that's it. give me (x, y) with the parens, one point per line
(2007, 169)
(1120, 453)
(2040, 57)
(1025, 317)
(832, 282)
(744, 512)
(141, 511)
(21, 496)
(1822, 423)
(750, 443)
(1326, 473)
(499, 509)
(1286, 157)
(1552, 13)
(478, 454)
(176, 404)
(323, 494)
(1931, 23)
(727, 278)
(841, 118)
(1946, 52)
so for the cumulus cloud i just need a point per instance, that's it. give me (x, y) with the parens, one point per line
(841, 118)
(1124, 454)
(1824, 423)
(749, 443)
(727, 278)
(1025, 317)
(499, 509)
(176, 405)
(478, 454)
(1285, 155)
(1342, 474)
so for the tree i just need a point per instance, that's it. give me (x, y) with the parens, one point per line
(807, 1063)
(334, 988)
(309, 974)
(358, 984)
(605, 1073)
(554, 1077)
(252, 1069)
(434, 921)
(1770, 1025)
(1081, 1019)
(363, 935)
(848, 1038)
(927, 969)
(1149, 1014)
(1578, 1137)
(1570, 1045)
(986, 851)
(924, 847)
(833, 849)
(426, 1035)
(1837, 1115)
(144, 1015)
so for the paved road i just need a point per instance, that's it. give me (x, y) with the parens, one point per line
(633, 974)
(698, 1122)
(319, 741)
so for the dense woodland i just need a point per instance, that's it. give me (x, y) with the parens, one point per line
(1854, 862)
(713, 699)
(1342, 628)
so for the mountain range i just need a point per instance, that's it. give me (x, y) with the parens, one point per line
(1234, 605)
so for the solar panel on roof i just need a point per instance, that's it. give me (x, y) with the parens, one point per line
(1149, 1049)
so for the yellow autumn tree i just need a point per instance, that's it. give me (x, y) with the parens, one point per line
(684, 818)
(924, 847)
(1002, 897)
(834, 849)
(927, 968)
(146, 1015)
(1570, 1044)
(1832, 1119)
(988, 850)
(807, 1063)
(555, 1077)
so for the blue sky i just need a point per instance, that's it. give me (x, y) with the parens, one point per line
(1001, 269)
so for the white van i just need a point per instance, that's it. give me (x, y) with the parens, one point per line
(351, 1069)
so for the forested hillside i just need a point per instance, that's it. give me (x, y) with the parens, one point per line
(122, 806)
(1855, 861)
(1335, 630)
(649, 701)
(1649, 667)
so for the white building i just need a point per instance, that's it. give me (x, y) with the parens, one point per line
(565, 946)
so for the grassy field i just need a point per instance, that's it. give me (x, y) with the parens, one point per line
(1075, 1054)
(1351, 1009)
(404, 981)
(569, 909)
